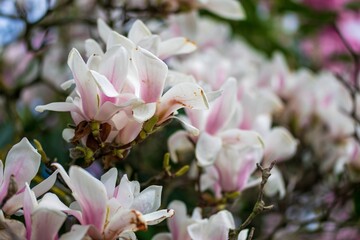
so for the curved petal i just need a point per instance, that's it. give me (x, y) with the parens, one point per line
(162, 236)
(152, 74)
(103, 29)
(46, 223)
(124, 220)
(175, 46)
(230, 9)
(149, 200)
(91, 196)
(92, 47)
(158, 216)
(178, 143)
(207, 149)
(117, 39)
(279, 144)
(224, 108)
(57, 107)
(189, 95)
(23, 163)
(104, 84)
(109, 181)
(138, 32)
(30, 204)
(144, 112)
(114, 65)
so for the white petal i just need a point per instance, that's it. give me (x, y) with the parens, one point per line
(175, 46)
(188, 127)
(78, 232)
(243, 234)
(117, 39)
(92, 47)
(144, 112)
(125, 194)
(68, 134)
(57, 107)
(279, 144)
(275, 184)
(104, 84)
(186, 94)
(138, 32)
(162, 236)
(149, 200)
(207, 149)
(45, 185)
(104, 29)
(68, 84)
(109, 181)
(158, 216)
(230, 9)
(179, 143)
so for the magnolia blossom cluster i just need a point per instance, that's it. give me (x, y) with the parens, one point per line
(121, 93)
(103, 210)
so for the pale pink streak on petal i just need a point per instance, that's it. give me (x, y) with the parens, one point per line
(91, 196)
(152, 74)
(223, 108)
(46, 223)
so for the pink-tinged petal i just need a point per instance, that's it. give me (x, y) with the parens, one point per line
(85, 83)
(91, 195)
(23, 163)
(103, 29)
(46, 223)
(230, 9)
(104, 84)
(175, 46)
(144, 112)
(109, 109)
(158, 216)
(179, 222)
(109, 181)
(179, 143)
(114, 66)
(63, 174)
(1, 172)
(149, 200)
(242, 138)
(279, 145)
(188, 95)
(129, 132)
(152, 74)
(128, 236)
(207, 149)
(124, 220)
(92, 47)
(223, 108)
(30, 204)
(163, 236)
(79, 232)
(138, 32)
(117, 39)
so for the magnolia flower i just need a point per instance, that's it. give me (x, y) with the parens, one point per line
(183, 227)
(110, 211)
(21, 165)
